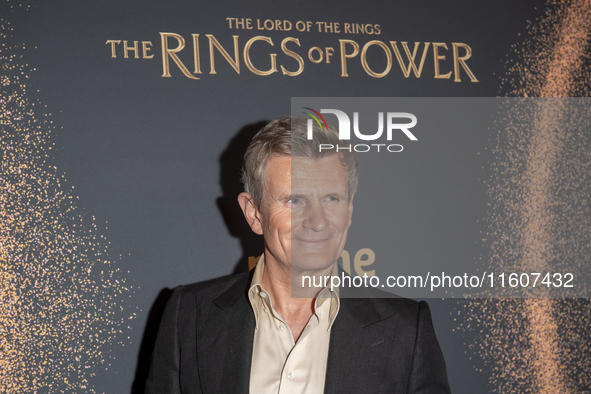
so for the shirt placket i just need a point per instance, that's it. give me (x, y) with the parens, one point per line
(294, 374)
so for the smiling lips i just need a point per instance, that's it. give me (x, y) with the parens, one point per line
(312, 241)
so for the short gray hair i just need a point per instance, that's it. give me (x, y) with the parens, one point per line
(288, 137)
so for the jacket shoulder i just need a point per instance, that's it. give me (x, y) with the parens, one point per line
(406, 307)
(210, 289)
(384, 303)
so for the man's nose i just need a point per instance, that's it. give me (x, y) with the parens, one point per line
(315, 217)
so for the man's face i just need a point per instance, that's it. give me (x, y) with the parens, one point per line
(305, 212)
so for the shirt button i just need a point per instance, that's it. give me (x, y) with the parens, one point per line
(263, 294)
(282, 328)
(289, 375)
(321, 313)
(265, 309)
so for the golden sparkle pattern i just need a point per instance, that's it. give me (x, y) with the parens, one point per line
(63, 304)
(540, 213)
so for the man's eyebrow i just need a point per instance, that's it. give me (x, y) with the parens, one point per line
(303, 196)
(336, 194)
(290, 196)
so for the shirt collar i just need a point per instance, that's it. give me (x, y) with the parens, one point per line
(256, 288)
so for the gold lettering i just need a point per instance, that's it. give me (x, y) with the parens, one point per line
(437, 58)
(196, 57)
(113, 43)
(329, 51)
(270, 25)
(359, 263)
(249, 64)
(252, 262)
(461, 60)
(315, 49)
(377, 29)
(297, 57)
(369, 29)
(345, 55)
(240, 23)
(411, 58)
(300, 26)
(166, 52)
(364, 59)
(235, 63)
(145, 50)
(346, 261)
(348, 28)
(337, 28)
(134, 48)
(287, 25)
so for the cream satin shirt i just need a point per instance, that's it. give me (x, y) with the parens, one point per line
(279, 365)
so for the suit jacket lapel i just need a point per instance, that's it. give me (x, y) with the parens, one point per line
(360, 343)
(224, 341)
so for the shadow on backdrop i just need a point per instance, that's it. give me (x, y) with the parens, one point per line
(148, 340)
(251, 244)
(230, 169)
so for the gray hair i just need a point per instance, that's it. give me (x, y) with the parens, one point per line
(288, 137)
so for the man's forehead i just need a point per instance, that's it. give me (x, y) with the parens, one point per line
(302, 172)
(327, 167)
(279, 164)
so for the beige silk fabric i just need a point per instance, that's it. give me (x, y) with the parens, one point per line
(279, 365)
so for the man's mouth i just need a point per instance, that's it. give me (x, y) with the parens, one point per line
(312, 240)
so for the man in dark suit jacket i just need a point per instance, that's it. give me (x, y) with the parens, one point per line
(256, 332)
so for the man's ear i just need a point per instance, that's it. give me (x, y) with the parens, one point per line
(251, 213)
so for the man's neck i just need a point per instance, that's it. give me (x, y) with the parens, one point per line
(294, 310)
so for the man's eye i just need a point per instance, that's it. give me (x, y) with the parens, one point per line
(293, 201)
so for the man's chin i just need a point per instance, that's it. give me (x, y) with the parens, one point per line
(312, 264)
(309, 275)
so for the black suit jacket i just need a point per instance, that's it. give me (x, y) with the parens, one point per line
(376, 345)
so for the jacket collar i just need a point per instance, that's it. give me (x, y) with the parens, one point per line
(224, 342)
(357, 353)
